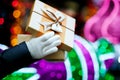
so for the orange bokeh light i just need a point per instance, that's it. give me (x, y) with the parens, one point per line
(16, 13)
(16, 29)
(14, 41)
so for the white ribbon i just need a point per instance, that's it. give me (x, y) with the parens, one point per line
(56, 17)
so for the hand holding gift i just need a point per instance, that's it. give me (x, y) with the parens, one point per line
(43, 45)
(43, 19)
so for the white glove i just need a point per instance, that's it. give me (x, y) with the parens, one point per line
(43, 45)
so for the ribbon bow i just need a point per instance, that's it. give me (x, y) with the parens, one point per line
(56, 17)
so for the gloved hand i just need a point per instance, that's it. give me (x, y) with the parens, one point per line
(43, 45)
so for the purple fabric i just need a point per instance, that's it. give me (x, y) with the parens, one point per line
(108, 63)
(50, 70)
(88, 59)
(1, 50)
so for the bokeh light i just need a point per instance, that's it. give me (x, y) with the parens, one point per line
(16, 29)
(14, 41)
(16, 13)
(1, 21)
(15, 3)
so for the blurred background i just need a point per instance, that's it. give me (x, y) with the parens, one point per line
(14, 15)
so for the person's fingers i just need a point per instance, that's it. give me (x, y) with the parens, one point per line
(50, 51)
(47, 35)
(51, 40)
(54, 44)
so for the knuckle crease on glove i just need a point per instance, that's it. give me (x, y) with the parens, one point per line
(52, 50)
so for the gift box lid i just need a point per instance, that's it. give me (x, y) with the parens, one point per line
(40, 8)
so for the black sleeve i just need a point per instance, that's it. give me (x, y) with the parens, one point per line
(14, 58)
